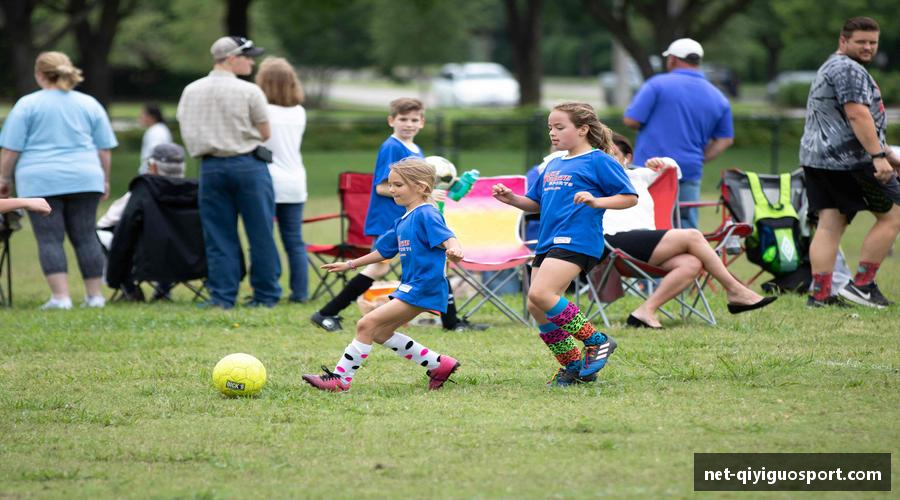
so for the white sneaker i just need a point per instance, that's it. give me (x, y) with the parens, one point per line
(54, 303)
(94, 301)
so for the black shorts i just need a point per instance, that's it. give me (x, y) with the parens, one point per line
(638, 243)
(849, 191)
(585, 262)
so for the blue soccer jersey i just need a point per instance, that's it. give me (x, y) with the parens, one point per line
(382, 209)
(578, 228)
(417, 237)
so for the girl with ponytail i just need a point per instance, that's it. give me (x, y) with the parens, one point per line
(571, 194)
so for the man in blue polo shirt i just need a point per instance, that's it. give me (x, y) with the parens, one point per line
(681, 115)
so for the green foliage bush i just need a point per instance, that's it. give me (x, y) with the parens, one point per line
(793, 95)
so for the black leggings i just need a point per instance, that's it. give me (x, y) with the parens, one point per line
(73, 214)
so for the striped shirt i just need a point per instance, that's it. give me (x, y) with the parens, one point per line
(217, 115)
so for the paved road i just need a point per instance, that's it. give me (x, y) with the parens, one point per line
(378, 95)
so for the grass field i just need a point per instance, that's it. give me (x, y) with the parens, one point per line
(118, 402)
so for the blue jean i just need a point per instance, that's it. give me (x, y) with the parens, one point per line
(290, 225)
(689, 191)
(228, 187)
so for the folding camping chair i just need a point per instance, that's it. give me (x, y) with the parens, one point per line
(354, 191)
(740, 207)
(160, 238)
(488, 231)
(9, 222)
(664, 191)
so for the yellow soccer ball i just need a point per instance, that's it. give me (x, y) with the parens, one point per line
(239, 374)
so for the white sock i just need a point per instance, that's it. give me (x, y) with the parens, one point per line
(412, 350)
(354, 355)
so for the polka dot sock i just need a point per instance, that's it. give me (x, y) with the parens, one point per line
(413, 351)
(354, 356)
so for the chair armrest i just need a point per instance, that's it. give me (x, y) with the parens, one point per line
(318, 218)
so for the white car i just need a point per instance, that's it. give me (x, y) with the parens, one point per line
(475, 84)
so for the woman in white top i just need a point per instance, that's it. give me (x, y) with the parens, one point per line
(681, 252)
(287, 118)
(157, 133)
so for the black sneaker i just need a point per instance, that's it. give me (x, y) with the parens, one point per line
(463, 325)
(566, 378)
(865, 295)
(832, 301)
(327, 323)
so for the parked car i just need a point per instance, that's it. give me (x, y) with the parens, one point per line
(722, 77)
(787, 78)
(475, 84)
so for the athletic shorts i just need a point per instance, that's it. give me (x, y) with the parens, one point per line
(638, 243)
(850, 191)
(585, 262)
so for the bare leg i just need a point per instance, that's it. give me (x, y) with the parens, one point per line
(690, 241)
(59, 285)
(682, 269)
(548, 283)
(879, 239)
(824, 247)
(377, 270)
(381, 323)
(94, 287)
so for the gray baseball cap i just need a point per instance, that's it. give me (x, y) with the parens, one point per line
(234, 46)
(168, 152)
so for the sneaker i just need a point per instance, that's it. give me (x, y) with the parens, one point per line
(327, 323)
(865, 295)
(565, 378)
(442, 373)
(97, 301)
(259, 303)
(328, 381)
(831, 301)
(596, 356)
(54, 303)
(463, 325)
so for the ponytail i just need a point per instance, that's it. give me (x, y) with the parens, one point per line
(58, 69)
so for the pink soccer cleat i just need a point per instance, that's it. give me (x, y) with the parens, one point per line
(328, 381)
(442, 373)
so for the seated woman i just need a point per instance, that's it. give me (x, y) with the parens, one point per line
(681, 252)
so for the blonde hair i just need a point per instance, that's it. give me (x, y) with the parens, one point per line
(278, 80)
(58, 69)
(404, 105)
(599, 135)
(417, 172)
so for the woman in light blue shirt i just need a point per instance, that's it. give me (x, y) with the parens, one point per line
(57, 141)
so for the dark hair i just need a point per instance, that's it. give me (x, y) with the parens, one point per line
(692, 59)
(404, 105)
(623, 144)
(153, 111)
(581, 113)
(858, 24)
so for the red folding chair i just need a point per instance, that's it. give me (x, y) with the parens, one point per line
(354, 191)
(664, 191)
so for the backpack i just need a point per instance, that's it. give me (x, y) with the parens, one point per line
(775, 242)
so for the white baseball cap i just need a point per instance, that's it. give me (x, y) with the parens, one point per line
(683, 48)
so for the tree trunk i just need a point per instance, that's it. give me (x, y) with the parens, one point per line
(95, 44)
(523, 30)
(236, 15)
(18, 34)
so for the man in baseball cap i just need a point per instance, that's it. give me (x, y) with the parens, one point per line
(234, 46)
(681, 115)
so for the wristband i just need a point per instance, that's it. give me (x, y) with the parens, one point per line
(350, 263)
(882, 154)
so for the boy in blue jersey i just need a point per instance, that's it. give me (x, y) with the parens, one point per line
(572, 194)
(423, 241)
(407, 118)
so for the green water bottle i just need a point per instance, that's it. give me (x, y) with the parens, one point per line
(463, 185)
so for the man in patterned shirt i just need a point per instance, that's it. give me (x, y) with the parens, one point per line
(848, 166)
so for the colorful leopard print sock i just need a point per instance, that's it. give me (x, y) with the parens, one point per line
(569, 318)
(562, 345)
(354, 355)
(413, 351)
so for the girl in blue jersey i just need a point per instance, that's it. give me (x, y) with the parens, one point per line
(424, 243)
(571, 194)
